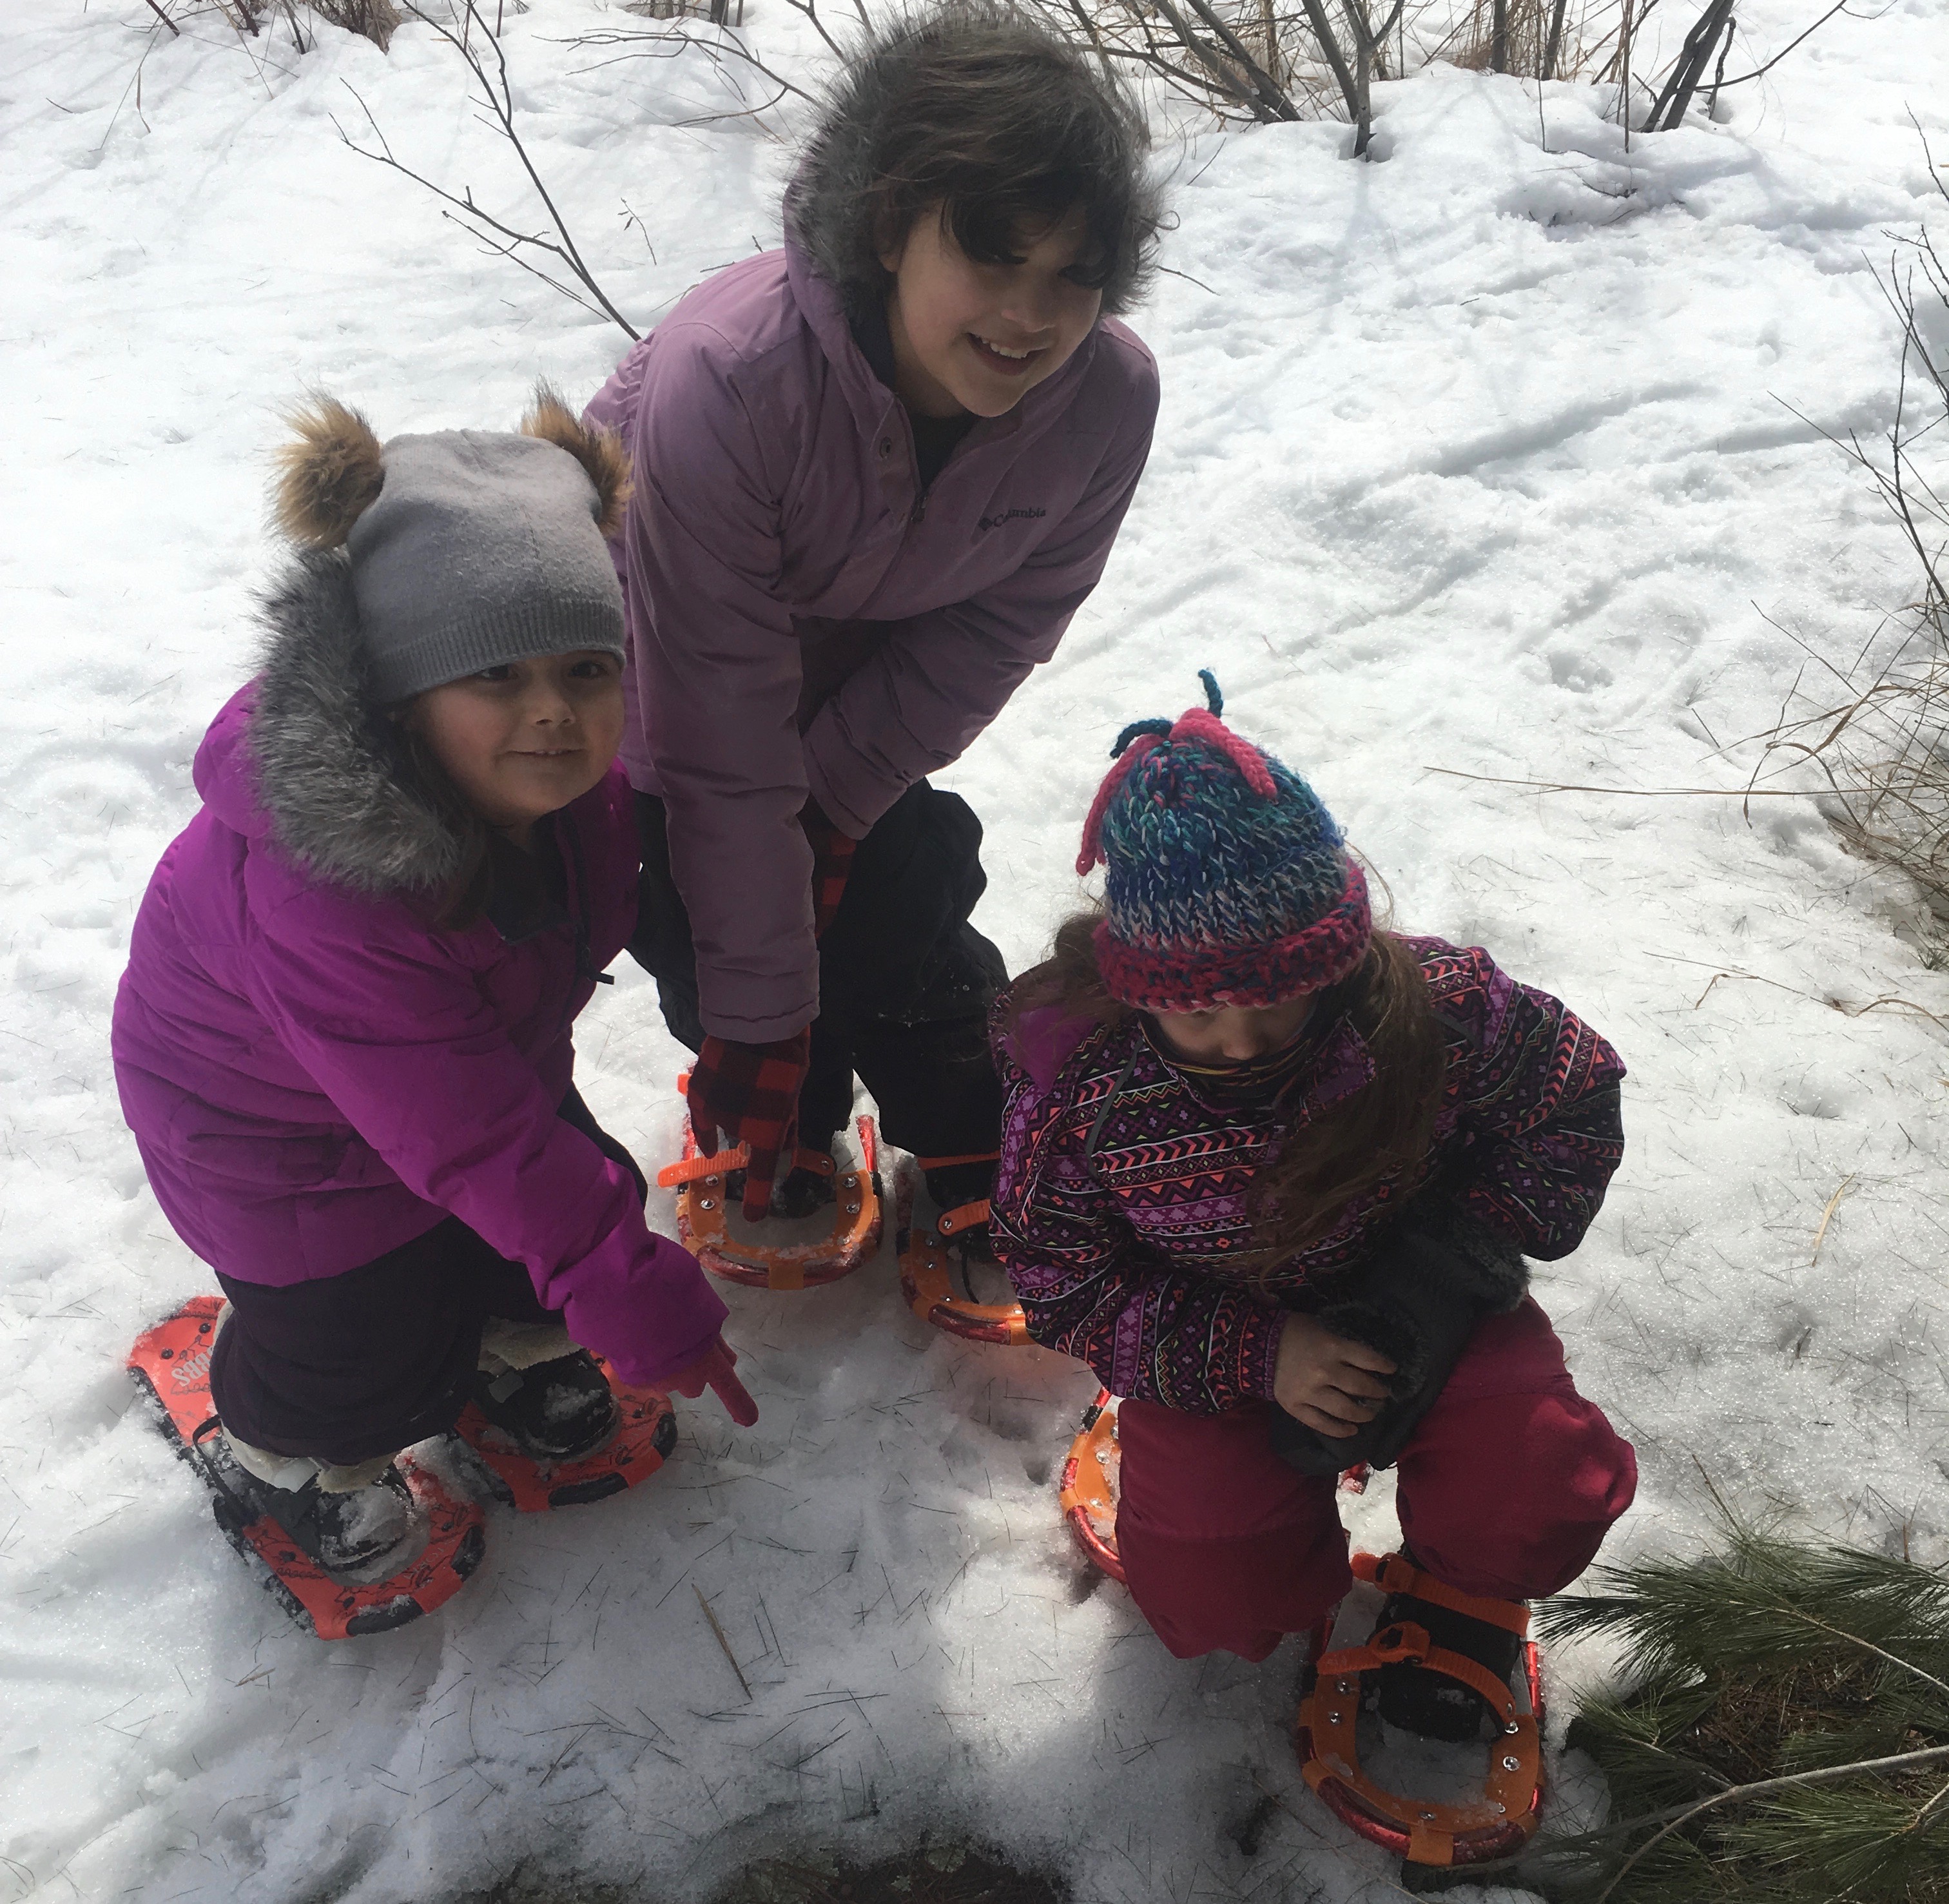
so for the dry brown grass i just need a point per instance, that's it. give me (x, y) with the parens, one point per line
(1880, 734)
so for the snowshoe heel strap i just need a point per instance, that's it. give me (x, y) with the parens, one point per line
(1394, 1574)
(1405, 1643)
(967, 1216)
(968, 1157)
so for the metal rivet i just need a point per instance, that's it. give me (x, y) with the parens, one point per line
(707, 1202)
(852, 1209)
(1333, 1718)
(1497, 1805)
(1343, 1686)
(1511, 1763)
(1427, 1818)
(1512, 1729)
(168, 1355)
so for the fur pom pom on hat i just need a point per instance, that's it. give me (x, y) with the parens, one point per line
(467, 549)
(1226, 882)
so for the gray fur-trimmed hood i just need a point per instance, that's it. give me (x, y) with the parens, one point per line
(326, 778)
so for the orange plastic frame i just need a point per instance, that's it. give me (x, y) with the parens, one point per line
(698, 1181)
(1088, 1501)
(1423, 1831)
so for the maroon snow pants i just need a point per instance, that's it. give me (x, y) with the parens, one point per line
(1505, 1489)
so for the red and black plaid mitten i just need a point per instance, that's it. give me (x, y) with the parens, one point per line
(832, 861)
(750, 1093)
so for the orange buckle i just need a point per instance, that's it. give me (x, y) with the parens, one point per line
(1087, 1491)
(1424, 1831)
(857, 1218)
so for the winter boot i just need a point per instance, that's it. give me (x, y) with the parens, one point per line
(1429, 1703)
(960, 1188)
(554, 1411)
(803, 1191)
(360, 1523)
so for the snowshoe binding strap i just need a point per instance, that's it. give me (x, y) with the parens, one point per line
(926, 1279)
(1425, 1831)
(1087, 1491)
(699, 1182)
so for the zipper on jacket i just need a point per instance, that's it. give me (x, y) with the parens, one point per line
(585, 951)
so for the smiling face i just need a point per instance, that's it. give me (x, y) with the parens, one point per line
(525, 738)
(1234, 1034)
(972, 337)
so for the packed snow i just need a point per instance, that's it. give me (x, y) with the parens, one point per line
(1500, 457)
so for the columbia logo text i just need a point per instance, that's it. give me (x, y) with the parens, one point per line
(996, 521)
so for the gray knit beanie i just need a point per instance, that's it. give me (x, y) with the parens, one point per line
(468, 549)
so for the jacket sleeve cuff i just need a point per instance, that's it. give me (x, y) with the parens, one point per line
(1258, 1351)
(744, 1027)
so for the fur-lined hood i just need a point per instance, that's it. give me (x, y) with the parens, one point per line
(309, 762)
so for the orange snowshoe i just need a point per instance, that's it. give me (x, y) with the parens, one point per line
(1428, 1835)
(926, 1253)
(171, 1364)
(644, 1438)
(1088, 1489)
(701, 1227)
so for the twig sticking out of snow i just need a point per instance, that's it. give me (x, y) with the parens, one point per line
(1827, 1216)
(721, 1640)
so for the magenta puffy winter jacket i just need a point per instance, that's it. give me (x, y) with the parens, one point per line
(315, 1075)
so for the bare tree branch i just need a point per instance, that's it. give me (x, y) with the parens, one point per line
(497, 97)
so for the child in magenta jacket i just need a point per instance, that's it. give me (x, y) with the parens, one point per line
(343, 1041)
(877, 471)
(1273, 1173)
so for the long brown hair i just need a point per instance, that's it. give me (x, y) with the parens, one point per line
(1380, 1133)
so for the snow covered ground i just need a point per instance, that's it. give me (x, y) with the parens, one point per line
(1484, 458)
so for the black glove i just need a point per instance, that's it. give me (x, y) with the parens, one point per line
(1436, 1275)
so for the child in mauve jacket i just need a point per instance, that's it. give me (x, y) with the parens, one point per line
(1273, 1173)
(877, 471)
(343, 1041)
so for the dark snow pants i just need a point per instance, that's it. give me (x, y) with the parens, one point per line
(905, 981)
(346, 1367)
(1506, 1487)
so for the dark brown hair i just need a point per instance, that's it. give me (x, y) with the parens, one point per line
(1379, 1133)
(487, 865)
(977, 109)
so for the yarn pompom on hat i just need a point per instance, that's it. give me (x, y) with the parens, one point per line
(1226, 882)
(466, 549)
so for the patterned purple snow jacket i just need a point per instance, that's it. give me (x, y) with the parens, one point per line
(1119, 1205)
(804, 621)
(315, 1075)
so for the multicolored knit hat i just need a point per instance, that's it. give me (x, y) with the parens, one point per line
(1227, 882)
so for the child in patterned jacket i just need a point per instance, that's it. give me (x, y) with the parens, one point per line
(1273, 1172)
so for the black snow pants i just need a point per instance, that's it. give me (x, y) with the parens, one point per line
(905, 981)
(346, 1367)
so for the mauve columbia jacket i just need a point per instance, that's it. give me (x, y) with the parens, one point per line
(1120, 1208)
(315, 1076)
(802, 621)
